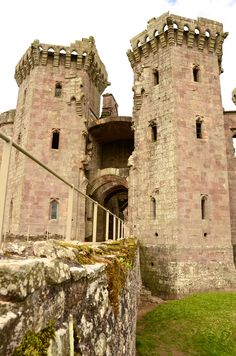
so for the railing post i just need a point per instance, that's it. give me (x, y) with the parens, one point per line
(107, 226)
(69, 213)
(122, 229)
(114, 227)
(95, 219)
(4, 171)
(118, 229)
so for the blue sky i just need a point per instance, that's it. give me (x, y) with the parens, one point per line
(113, 24)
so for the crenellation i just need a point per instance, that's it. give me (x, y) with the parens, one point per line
(173, 29)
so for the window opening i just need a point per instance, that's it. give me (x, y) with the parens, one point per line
(234, 144)
(153, 207)
(203, 207)
(196, 73)
(55, 139)
(156, 77)
(199, 129)
(58, 90)
(53, 209)
(154, 132)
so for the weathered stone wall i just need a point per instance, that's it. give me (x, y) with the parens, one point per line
(230, 131)
(92, 307)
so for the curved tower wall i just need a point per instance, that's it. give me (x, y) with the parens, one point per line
(178, 180)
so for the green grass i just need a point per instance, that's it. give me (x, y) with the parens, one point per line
(202, 324)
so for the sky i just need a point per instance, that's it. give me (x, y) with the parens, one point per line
(112, 23)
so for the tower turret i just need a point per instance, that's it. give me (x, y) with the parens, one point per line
(178, 176)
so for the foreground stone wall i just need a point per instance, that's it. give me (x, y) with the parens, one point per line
(87, 309)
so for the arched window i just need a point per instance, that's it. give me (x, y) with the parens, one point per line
(196, 74)
(53, 211)
(58, 89)
(199, 128)
(153, 208)
(204, 207)
(55, 139)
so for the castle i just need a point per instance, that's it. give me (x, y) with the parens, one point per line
(169, 170)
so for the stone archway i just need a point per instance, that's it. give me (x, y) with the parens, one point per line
(111, 191)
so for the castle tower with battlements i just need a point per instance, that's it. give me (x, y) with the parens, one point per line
(59, 97)
(178, 184)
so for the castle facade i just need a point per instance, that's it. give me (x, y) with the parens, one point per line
(172, 166)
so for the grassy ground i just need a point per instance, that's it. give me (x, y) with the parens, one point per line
(202, 324)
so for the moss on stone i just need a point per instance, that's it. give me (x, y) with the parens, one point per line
(119, 255)
(36, 344)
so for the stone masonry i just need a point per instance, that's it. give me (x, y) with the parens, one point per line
(171, 165)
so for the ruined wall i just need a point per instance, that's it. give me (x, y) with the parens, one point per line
(85, 309)
(230, 131)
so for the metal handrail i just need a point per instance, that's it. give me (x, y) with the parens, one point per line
(11, 143)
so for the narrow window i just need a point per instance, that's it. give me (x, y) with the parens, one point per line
(53, 209)
(154, 132)
(58, 89)
(24, 97)
(55, 139)
(196, 74)
(153, 208)
(156, 77)
(234, 143)
(204, 207)
(199, 128)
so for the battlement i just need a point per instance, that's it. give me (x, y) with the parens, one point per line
(173, 30)
(82, 55)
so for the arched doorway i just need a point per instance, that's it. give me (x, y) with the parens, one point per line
(112, 192)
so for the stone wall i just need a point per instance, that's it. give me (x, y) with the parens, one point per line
(80, 309)
(230, 131)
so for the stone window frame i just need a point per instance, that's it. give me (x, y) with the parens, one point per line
(57, 143)
(58, 90)
(51, 216)
(196, 73)
(204, 207)
(154, 130)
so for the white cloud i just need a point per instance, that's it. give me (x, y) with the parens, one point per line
(113, 24)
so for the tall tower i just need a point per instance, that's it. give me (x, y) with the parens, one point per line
(178, 184)
(59, 95)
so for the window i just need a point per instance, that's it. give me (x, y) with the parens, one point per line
(234, 143)
(154, 132)
(199, 128)
(53, 214)
(156, 77)
(196, 73)
(153, 208)
(58, 89)
(204, 207)
(55, 139)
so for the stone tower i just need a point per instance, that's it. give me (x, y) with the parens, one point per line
(178, 184)
(59, 96)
